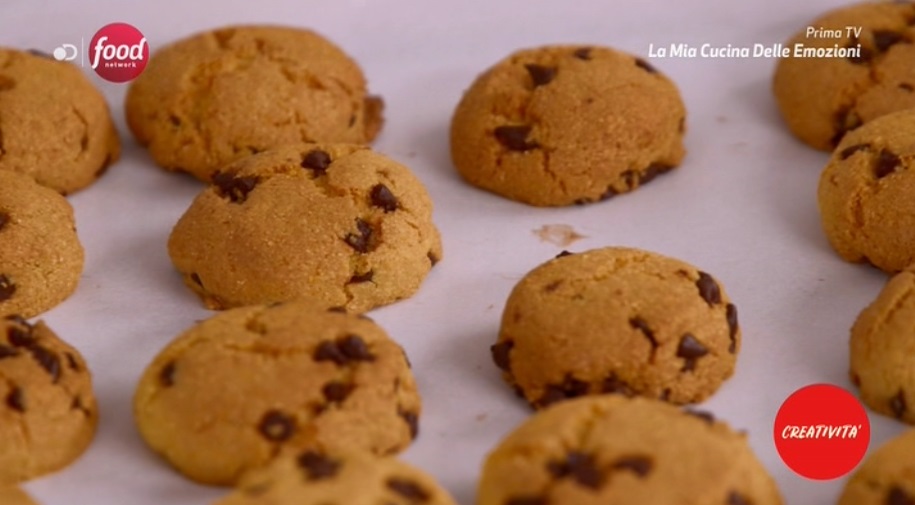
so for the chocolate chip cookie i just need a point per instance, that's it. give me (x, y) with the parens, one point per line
(14, 496)
(234, 391)
(865, 193)
(614, 449)
(562, 125)
(822, 98)
(48, 413)
(218, 96)
(41, 258)
(887, 476)
(335, 222)
(313, 478)
(55, 126)
(617, 320)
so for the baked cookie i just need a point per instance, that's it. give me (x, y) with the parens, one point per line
(54, 124)
(887, 476)
(865, 193)
(617, 320)
(821, 98)
(562, 125)
(336, 222)
(215, 97)
(617, 450)
(313, 478)
(41, 258)
(48, 415)
(14, 496)
(232, 392)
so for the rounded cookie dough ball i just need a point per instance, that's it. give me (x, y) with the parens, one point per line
(562, 125)
(617, 320)
(821, 98)
(312, 478)
(41, 258)
(887, 476)
(234, 391)
(865, 193)
(338, 223)
(218, 96)
(54, 125)
(48, 413)
(619, 450)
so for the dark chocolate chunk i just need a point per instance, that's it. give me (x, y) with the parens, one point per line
(844, 121)
(583, 53)
(382, 197)
(863, 57)
(196, 279)
(850, 150)
(906, 86)
(690, 349)
(328, 351)
(578, 466)
(412, 421)
(433, 258)
(8, 352)
(526, 500)
(563, 253)
(317, 466)
(640, 324)
(71, 362)
(639, 465)
(360, 278)
(336, 392)
(540, 75)
(731, 315)
(408, 489)
(276, 426)
(167, 375)
(16, 399)
(48, 360)
(608, 193)
(654, 170)
(7, 288)
(236, 189)
(644, 65)
(515, 137)
(886, 163)
(708, 289)
(501, 353)
(735, 498)
(570, 388)
(701, 414)
(337, 309)
(884, 39)
(856, 379)
(360, 242)
(317, 161)
(613, 384)
(4, 218)
(898, 496)
(20, 338)
(354, 348)
(898, 405)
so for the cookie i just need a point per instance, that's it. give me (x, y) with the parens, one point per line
(887, 476)
(234, 391)
(865, 193)
(55, 126)
(41, 258)
(562, 125)
(881, 348)
(214, 97)
(335, 222)
(823, 97)
(617, 320)
(312, 478)
(14, 496)
(619, 450)
(48, 414)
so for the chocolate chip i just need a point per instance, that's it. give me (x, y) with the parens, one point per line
(360, 242)
(730, 314)
(433, 258)
(338, 309)
(570, 388)
(640, 324)
(276, 426)
(639, 465)
(360, 278)
(71, 362)
(328, 351)
(856, 379)
(196, 279)
(563, 253)
(613, 385)
(884, 39)
(850, 150)
(336, 392)
(863, 57)
(382, 197)
(167, 375)
(708, 289)
(412, 421)
(408, 489)
(317, 161)
(886, 163)
(553, 286)
(354, 348)
(540, 75)
(48, 360)
(7, 288)
(844, 121)
(608, 193)
(644, 65)
(4, 218)
(19, 338)
(317, 466)
(236, 189)
(8, 352)
(898, 496)
(654, 170)
(690, 350)
(526, 500)
(701, 414)
(583, 53)
(734, 498)
(501, 354)
(906, 86)
(897, 405)
(580, 467)
(515, 137)
(15, 399)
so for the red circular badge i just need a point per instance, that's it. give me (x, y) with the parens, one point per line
(821, 432)
(118, 52)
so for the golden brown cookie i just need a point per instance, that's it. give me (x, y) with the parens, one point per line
(54, 125)
(617, 450)
(617, 320)
(41, 258)
(865, 193)
(212, 98)
(338, 223)
(887, 476)
(559, 125)
(821, 98)
(234, 391)
(48, 413)
(312, 478)
(14, 496)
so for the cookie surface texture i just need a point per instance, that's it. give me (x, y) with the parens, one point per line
(55, 126)
(48, 412)
(821, 98)
(886, 477)
(14, 496)
(234, 391)
(865, 202)
(41, 258)
(560, 125)
(338, 223)
(619, 451)
(217, 96)
(617, 320)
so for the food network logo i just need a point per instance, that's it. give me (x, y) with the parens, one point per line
(118, 52)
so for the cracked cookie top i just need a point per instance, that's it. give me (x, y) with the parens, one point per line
(54, 125)
(235, 391)
(217, 96)
(335, 222)
(562, 125)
